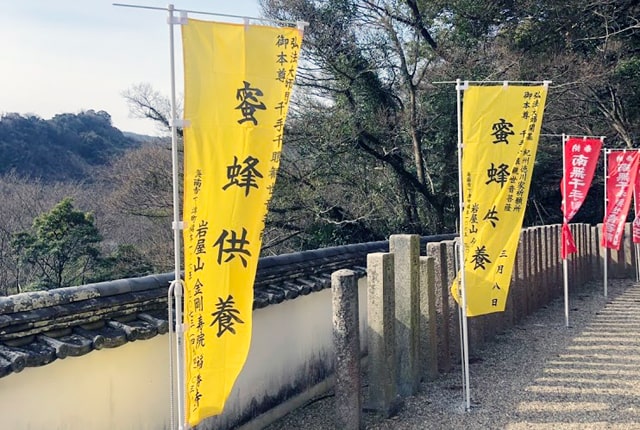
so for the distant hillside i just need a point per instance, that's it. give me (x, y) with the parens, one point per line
(144, 138)
(64, 147)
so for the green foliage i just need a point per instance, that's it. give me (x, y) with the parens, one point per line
(372, 129)
(68, 146)
(60, 249)
(374, 145)
(125, 262)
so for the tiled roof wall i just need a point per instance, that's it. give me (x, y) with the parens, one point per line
(37, 328)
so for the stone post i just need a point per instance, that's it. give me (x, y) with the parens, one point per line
(559, 271)
(346, 341)
(615, 262)
(406, 250)
(626, 246)
(557, 256)
(580, 243)
(572, 262)
(510, 309)
(524, 263)
(438, 251)
(383, 392)
(532, 284)
(587, 252)
(546, 276)
(537, 246)
(631, 269)
(596, 258)
(428, 327)
(452, 255)
(604, 255)
(592, 259)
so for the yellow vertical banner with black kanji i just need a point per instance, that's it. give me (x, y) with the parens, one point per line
(500, 132)
(238, 82)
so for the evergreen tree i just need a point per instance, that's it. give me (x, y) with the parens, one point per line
(60, 249)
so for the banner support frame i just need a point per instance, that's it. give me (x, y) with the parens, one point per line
(607, 151)
(170, 8)
(178, 371)
(463, 292)
(606, 201)
(176, 287)
(461, 278)
(545, 83)
(565, 266)
(565, 220)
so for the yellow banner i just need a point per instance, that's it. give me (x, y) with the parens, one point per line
(238, 81)
(500, 129)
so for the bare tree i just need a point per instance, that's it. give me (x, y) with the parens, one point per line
(23, 201)
(138, 194)
(147, 103)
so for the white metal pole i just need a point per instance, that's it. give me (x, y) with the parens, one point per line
(565, 268)
(224, 15)
(177, 230)
(606, 200)
(637, 249)
(463, 291)
(461, 315)
(565, 271)
(172, 358)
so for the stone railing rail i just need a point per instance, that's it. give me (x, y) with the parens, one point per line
(413, 324)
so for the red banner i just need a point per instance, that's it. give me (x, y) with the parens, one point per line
(636, 207)
(621, 177)
(568, 244)
(580, 160)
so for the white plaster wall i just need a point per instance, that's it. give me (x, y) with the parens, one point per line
(286, 338)
(125, 388)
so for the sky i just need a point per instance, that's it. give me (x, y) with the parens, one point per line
(66, 56)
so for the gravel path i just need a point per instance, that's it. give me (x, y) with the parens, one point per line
(538, 375)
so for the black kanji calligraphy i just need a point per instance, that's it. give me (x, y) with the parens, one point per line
(501, 131)
(249, 102)
(492, 216)
(198, 303)
(201, 234)
(498, 174)
(197, 182)
(226, 316)
(480, 258)
(282, 41)
(198, 361)
(199, 265)
(196, 400)
(243, 176)
(197, 287)
(230, 244)
(282, 58)
(200, 340)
